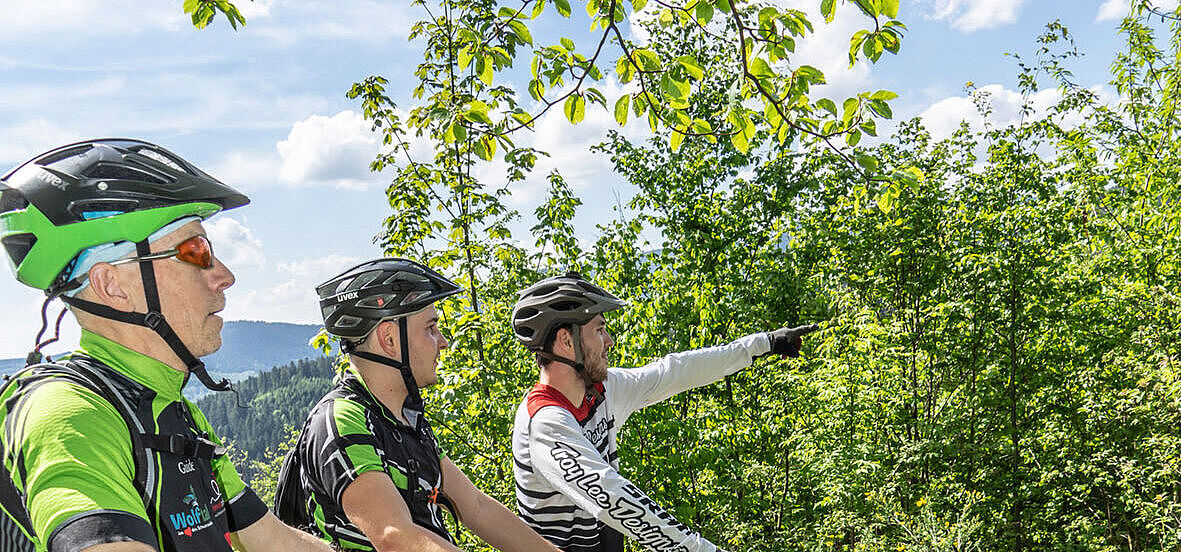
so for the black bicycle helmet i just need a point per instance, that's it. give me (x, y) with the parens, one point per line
(555, 302)
(359, 299)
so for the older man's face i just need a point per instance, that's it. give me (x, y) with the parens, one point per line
(190, 296)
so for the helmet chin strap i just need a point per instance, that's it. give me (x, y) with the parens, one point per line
(413, 407)
(578, 362)
(154, 320)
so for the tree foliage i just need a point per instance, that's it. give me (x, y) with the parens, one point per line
(998, 361)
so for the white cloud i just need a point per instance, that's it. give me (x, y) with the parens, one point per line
(234, 243)
(943, 117)
(68, 17)
(247, 170)
(371, 21)
(1112, 10)
(292, 298)
(20, 142)
(332, 150)
(974, 15)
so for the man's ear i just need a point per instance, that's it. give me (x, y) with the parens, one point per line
(109, 287)
(386, 338)
(565, 337)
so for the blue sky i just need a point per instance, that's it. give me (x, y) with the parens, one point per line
(264, 110)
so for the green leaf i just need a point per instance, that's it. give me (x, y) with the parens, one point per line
(648, 60)
(638, 5)
(827, 9)
(563, 7)
(884, 95)
(724, 5)
(567, 44)
(886, 201)
(849, 110)
(484, 69)
(889, 8)
(575, 108)
(478, 111)
(827, 105)
(704, 11)
(760, 69)
(536, 89)
(465, 57)
(867, 162)
(691, 66)
(869, 127)
(190, 6)
(621, 108)
(852, 137)
(522, 31)
(666, 17)
(674, 141)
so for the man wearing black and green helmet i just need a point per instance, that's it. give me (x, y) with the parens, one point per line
(101, 450)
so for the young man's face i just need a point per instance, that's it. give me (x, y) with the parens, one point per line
(190, 296)
(426, 342)
(596, 341)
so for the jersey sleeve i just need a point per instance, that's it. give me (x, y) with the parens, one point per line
(636, 388)
(343, 447)
(74, 464)
(243, 506)
(573, 466)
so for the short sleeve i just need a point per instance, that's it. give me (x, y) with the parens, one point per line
(75, 466)
(342, 446)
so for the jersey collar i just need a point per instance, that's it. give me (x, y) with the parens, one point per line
(165, 380)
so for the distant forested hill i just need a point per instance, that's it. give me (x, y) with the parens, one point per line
(278, 399)
(248, 347)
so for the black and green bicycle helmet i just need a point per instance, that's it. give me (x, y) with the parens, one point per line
(64, 201)
(89, 193)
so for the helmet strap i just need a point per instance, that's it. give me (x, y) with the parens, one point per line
(153, 320)
(578, 361)
(413, 407)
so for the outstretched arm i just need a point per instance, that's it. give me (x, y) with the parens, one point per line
(562, 455)
(486, 517)
(633, 389)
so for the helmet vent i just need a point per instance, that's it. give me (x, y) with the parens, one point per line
(64, 154)
(414, 296)
(18, 245)
(161, 158)
(566, 305)
(11, 199)
(376, 302)
(122, 172)
(348, 322)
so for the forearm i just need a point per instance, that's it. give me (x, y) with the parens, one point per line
(413, 538)
(503, 530)
(271, 535)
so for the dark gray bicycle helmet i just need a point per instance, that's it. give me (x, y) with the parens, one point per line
(357, 300)
(555, 302)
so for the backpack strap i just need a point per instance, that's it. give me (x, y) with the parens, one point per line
(77, 372)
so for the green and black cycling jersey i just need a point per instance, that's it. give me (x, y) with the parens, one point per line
(348, 433)
(69, 452)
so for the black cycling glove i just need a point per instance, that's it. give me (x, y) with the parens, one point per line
(787, 341)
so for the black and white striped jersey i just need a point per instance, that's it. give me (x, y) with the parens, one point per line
(566, 464)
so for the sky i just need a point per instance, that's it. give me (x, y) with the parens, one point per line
(264, 110)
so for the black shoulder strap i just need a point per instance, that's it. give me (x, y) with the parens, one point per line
(11, 499)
